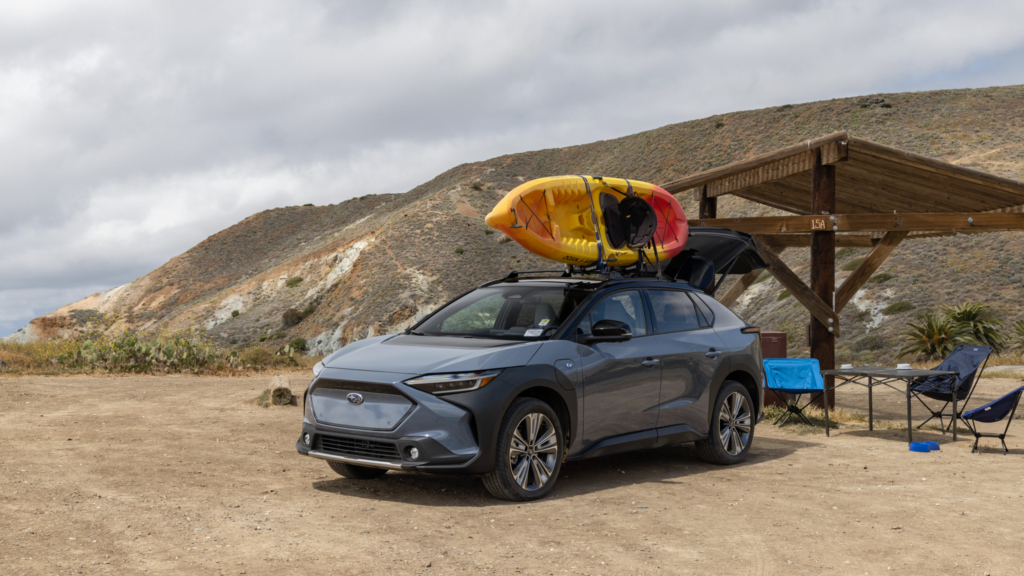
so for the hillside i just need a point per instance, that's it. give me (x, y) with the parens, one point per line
(371, 265)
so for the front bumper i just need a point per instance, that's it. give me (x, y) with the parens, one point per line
(378, 452)
(381, 431)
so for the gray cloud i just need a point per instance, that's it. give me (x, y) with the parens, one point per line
(130, 131)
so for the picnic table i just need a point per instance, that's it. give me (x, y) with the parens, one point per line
(871, 376)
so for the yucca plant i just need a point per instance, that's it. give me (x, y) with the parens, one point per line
(1018, 334)
(984, 329)
(934, 337)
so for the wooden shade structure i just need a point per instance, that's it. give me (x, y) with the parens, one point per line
(845, 191)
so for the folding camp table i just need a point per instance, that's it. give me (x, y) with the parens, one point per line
(871, 376)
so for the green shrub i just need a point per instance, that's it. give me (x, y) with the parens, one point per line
(293, 281)
(870, 342)
(298, 344)
(880, 278)
(764, 276)
(291, 316)
(459, 250)
(263, 338)
(783, 296)
(852, 264)
(897, 308)
(129, 352)
(844, 252)
(235, 313)
(719, 124)
(308, 204)
(488, 231)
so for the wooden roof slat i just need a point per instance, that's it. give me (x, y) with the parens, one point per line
(892, 195)
(796, 190)
(935, 182)
(932, 165)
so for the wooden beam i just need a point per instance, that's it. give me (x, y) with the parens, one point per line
(708, 204)
(701, 178)
(792, 282)
(804, 240)
(874, 260)
(965, 222)
(823, 269)
(745, 281)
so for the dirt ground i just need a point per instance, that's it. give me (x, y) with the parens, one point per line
(180, 475)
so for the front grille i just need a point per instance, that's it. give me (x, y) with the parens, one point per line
(359, 448)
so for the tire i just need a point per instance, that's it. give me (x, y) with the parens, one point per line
(534, 457)
(356, 472)
(731, 429)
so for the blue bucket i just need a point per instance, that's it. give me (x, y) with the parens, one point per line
(920, 447)
(934, 446)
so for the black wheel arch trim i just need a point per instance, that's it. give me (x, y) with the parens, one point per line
(490, 403)
(727, 371)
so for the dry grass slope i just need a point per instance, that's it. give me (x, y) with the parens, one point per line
(371, 265)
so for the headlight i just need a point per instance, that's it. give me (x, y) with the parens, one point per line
(452, 383)
(317, 369)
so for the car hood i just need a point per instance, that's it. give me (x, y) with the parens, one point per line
(410, 354)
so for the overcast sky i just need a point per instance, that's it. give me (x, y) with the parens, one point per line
(130, 131)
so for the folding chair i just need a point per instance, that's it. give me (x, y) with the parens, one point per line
(968, 362)
(796, 376)
(993, 412)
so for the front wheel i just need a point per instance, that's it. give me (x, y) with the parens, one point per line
(732, 426)
(529, 452)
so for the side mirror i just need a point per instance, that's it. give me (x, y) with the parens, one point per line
(607, 331)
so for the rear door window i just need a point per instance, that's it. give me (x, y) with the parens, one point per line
(673, 311)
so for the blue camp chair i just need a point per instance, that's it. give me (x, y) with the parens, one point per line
(794, 376)
(993, 412)
(968, 362)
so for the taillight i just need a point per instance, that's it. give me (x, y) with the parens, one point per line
(750, 330)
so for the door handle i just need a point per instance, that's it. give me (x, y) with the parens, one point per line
(712, 353)
(651, 362)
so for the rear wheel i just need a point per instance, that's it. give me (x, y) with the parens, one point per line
(529, 452)
(732, 426)
(356, 472)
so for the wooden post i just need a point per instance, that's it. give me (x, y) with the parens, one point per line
(708, 206)
(823, 266)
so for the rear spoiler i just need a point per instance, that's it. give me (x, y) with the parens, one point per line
(711, 251)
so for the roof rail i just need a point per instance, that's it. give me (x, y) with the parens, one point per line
(515, 273)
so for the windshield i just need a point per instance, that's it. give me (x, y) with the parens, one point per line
(508, 312)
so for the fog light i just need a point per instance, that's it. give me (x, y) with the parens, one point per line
(306, 439)
(414, 453)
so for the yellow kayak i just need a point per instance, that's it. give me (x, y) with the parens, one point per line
(576, 219)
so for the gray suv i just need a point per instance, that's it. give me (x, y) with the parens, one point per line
(521, 374)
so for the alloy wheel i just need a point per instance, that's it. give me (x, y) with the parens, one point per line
(533, 452)
(734, 423)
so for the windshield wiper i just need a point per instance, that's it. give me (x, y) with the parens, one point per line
(417, 332)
